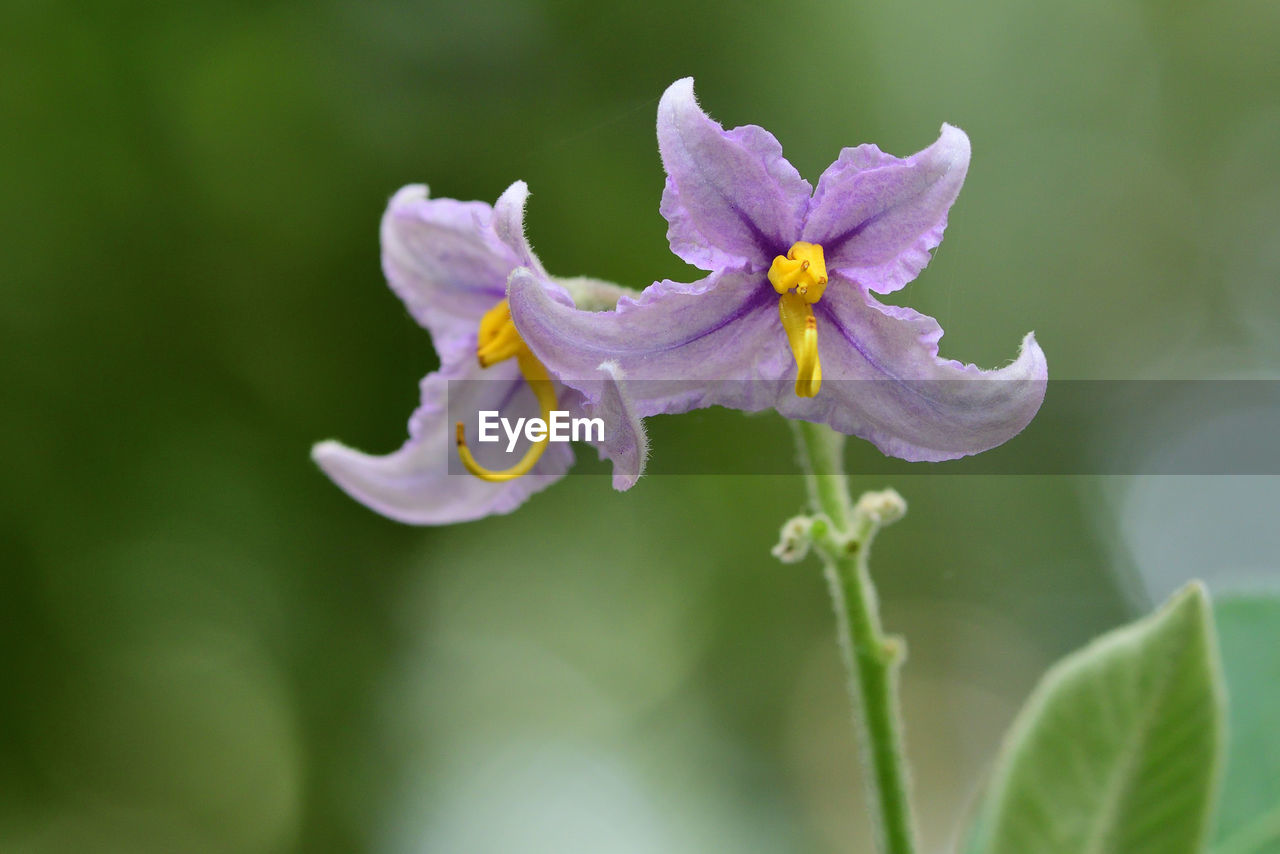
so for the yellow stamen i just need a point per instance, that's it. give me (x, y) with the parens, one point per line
(498, 341)
(804, 268)
(802, 334)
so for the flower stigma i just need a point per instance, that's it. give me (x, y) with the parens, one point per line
(800, 277)
(497, 341)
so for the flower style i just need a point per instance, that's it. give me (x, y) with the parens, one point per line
(789, 296)
(449, 262)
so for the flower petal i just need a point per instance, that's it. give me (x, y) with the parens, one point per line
(508, 224)
(625, 442)
(414, 484)
(443, 258)
(878, 216)
(883, 381)
(731, 198)
(679, 347)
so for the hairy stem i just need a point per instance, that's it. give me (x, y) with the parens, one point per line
(871, 657)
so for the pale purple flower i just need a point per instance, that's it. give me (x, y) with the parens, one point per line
(449, 262)
(789, 302)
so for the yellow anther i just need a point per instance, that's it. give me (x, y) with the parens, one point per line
(493, 321)
(784, 273)
(803, 268)
(536, 376)
(802, 334)
(497, 339)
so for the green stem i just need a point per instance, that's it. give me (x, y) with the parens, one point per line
(822, 459)
(871, 657)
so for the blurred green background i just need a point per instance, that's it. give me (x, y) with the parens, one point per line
(205, 646)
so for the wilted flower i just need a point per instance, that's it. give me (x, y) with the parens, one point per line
(449, 262)
(789, 298)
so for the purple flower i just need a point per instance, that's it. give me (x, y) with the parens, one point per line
(789, 297)
(449, 262)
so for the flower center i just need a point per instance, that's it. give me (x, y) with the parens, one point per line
(497, 341)
(800, 277)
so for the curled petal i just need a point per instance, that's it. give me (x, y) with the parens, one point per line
(731, 198)
(508, 224)
(678, 346)
(444, 260)
(877, 216)
(625, 442)
(417, 483)
(886, 383)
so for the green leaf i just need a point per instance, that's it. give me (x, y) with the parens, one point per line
(1249, 812)
(1118, 749)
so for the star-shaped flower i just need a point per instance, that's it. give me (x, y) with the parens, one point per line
(449, 262)
(789, 299)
